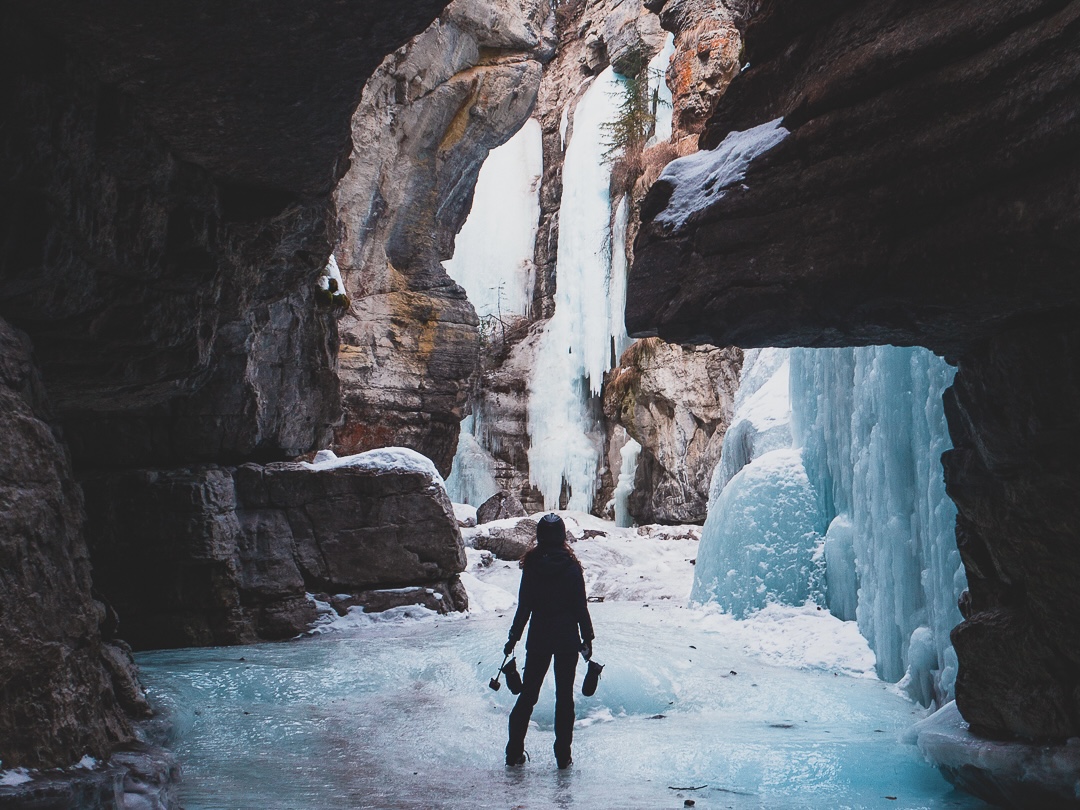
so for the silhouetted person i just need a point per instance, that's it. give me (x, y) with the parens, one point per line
(552, 593)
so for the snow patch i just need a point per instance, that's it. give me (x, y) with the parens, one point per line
(700, 179)
(383, 460)
(15, 777)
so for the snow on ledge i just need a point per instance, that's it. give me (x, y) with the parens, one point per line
(1004, 769)
(15, 777)
(700, 179)
(385, 459)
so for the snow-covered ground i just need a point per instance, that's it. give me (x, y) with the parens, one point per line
(781, 710)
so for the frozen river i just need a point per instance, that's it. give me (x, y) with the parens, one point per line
(779, 711)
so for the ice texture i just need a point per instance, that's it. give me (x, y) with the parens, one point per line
(472, 474)
(700, 179)
(870, 429)
(493, 252)
(762, 541)
(396, 713)
(584, 336)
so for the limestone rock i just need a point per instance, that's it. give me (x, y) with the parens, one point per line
(209, 555)
(507, 539)
(499, 506)
(708, 50)
(677, 403)
(58, 697)
(426, 121)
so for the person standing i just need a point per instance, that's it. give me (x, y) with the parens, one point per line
(552, 601)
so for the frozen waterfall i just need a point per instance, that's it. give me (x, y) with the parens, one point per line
(855, 517)
(587, 330)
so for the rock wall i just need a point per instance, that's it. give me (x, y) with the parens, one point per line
(925, 195)
(677, 403)
(56, 693)
(211, 555)
(166, 216)
(428, 118)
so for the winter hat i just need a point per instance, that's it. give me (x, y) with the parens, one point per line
(551, 529)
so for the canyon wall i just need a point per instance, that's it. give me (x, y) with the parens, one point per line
(167, 216)
(427, 119)
(891, 174)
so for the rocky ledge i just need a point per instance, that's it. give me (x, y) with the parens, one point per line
(890, 173)
(227, 555)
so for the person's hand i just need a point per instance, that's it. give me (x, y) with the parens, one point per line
(509, 648)
(586, 649)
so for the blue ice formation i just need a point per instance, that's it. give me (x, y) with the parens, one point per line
(878, 546)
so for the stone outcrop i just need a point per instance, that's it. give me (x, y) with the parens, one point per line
(499, 506)
(167, 215)
(708, 47)
(212, 555)
(427, 120)
(57, 700)
(676, 402)
(925, 195)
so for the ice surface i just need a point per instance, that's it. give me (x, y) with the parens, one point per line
(1050, 769)
(871, 428)
(385, 459)
(586, 330)
(397, 714)
(493, 252)
(700, 179)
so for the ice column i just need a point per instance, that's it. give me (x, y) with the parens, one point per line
(625, 486)
(872, 427)
(869, 428)
(493, 252)
(659, 90)
(586, 328)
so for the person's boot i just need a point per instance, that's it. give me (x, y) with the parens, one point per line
(562, 758)
(515, 757)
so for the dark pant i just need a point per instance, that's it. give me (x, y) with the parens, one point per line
(536, 667)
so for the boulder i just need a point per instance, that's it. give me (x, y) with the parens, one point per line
(216, 555)
(499, 506)
(506, 539)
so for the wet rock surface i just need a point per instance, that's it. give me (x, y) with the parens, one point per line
(206, 556)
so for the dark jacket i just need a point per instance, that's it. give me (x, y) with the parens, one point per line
(553, 593)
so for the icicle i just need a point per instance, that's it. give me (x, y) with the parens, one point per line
(472, 474)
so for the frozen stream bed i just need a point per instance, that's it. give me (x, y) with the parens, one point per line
(779, 711)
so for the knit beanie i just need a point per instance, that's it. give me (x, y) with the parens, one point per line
(551, 529)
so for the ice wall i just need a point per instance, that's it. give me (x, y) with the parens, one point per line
(869, 429)
(493, 252)
(586, 330)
